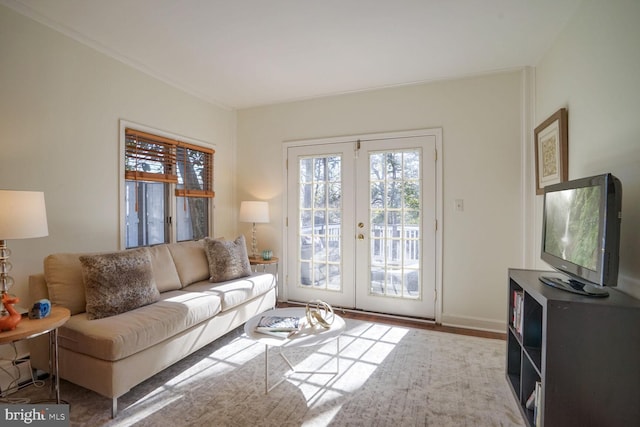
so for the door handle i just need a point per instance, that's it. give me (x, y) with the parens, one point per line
(360, 236)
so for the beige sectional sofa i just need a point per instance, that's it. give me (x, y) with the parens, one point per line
(111, 355)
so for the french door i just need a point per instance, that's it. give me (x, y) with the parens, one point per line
(361, 221)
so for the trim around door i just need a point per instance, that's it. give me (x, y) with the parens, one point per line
(435, 132)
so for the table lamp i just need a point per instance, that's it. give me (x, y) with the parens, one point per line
(254, 212)
(22, 216)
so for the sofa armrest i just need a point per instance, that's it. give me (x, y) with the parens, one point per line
(37, 288)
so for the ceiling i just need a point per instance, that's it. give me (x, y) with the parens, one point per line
(244, 53)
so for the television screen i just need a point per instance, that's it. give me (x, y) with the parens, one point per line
(581, 233)
(572, 225)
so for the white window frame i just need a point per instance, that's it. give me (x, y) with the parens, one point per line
(124, 124)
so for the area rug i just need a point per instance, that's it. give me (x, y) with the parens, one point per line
(388, 376)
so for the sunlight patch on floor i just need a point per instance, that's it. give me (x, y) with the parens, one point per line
(231, 356)
(362, 349)
(145, 407)
(227, 358)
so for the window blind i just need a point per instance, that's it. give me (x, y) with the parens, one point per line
(195, 171)
(151, 157)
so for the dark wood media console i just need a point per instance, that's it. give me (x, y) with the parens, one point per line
(584, 351)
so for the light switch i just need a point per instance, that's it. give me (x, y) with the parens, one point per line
(459, 205)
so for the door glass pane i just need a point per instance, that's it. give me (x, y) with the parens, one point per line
(319, 195)
(394, 188)
(306, 170)
(320, 222)
(335, 192)
(376, 169)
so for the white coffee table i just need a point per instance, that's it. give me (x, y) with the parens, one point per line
(308, 336)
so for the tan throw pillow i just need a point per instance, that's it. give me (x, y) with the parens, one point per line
(190, 261)
(227, 260)
(118, 282)
(63, 273)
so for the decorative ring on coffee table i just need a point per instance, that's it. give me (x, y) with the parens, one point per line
(320, 313)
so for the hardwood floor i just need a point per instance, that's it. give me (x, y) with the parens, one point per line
(403, 321)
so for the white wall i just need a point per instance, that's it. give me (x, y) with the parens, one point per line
(481, 122)
(60, 104)
(593, 70)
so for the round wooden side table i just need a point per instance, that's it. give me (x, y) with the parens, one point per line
(31, 328)
(255, 261)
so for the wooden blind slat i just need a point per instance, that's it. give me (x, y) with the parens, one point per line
(197, 148)
(195, 193)
(152, 156)
(150, 137)
(149, 176)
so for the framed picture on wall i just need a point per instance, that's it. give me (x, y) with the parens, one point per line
(552, 150)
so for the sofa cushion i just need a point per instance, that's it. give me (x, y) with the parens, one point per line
(227, 259)
(63, 274)
(117, 337)
(164, 270)
(118, 282)
(238, 291)
(190, 260)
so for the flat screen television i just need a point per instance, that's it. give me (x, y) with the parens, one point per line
(581, 234)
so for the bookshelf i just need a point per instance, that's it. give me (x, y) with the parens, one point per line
(584, 352)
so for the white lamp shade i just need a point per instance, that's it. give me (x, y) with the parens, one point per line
(22, 215)
(254, 212)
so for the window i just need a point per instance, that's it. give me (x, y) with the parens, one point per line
(168, 189)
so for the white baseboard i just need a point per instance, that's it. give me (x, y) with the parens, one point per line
(477, 323)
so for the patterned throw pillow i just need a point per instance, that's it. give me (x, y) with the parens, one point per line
(118, 282)
(227, 260)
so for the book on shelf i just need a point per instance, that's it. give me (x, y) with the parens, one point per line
(278, 324)
(537, 410)
(518, 309)
(531, 401)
